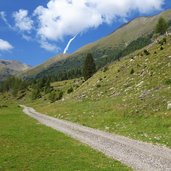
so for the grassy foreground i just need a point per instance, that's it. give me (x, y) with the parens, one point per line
(28, 145)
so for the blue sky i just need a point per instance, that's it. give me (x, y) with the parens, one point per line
(35, 30)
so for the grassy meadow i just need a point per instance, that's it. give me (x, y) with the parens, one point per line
(27, 145)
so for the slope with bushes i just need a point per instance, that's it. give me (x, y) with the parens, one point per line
(128, 97)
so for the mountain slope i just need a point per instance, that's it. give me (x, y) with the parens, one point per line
(127, 33)
(38, 69)
(105, 49)
(11, 67)
(128, 97)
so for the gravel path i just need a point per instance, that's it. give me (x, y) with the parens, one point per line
(138, 155)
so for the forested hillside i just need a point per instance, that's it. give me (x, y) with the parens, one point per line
(128, 38)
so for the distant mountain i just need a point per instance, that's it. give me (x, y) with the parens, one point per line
(11, 67)
(45, 66)
(104, 50)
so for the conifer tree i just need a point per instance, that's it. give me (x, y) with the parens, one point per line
(161, 26)
(89, 67)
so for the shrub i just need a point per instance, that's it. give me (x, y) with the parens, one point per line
(3, 106)
(76, 86)
(98, 85)
(59, 95)
(161, 48)
(70, 90)
(163, 41)
(132, 71)
(146, 52)
(105, 69)
(168, 82)
(54, 96)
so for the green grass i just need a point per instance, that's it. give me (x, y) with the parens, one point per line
(117, 101)
(28, 145)
(104, 115)
(67, 84)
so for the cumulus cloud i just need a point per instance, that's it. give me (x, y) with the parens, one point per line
(61, 18)
(22, 21)
(5, 46)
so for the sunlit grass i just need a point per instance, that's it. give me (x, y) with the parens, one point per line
(28, 145)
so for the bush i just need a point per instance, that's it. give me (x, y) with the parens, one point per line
(146, 52)
(70, 90)
(98, 85)
(161, 48)
(59, 95)
(3, 106)
(105, 69)
(163, 41)
(142, 54)
(132, 71)
(168, 82)
(54, 96)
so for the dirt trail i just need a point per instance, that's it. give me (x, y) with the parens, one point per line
(133, 153)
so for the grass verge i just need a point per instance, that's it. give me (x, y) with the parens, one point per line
(28, 145)
(107, 115)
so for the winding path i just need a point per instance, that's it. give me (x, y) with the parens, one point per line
(138, 155)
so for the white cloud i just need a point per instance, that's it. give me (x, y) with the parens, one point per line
(48, 46)
(68, 44)
(3, 17)
(69, 17)
(22, 21)
(5, 46)
(61, 18)
(27, 37)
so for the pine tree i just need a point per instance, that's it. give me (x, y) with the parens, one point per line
(89, 67)
(161, 26)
